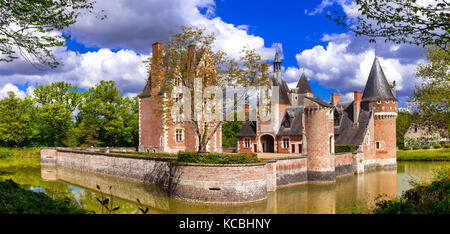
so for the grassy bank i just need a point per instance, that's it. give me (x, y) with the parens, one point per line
(424, 155)
(426, 197)
(19, 152)
(16, 200)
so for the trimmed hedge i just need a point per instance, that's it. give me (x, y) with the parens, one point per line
(426, 147)
(447, 145)
(416, 147)
(437, 146)
(214, 158)
(344, 148)
(150, 154)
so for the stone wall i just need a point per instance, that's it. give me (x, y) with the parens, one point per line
(291, 170)
(344, 164)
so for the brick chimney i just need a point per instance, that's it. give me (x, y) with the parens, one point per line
(157, 68)
(356, 105)
(335, 98)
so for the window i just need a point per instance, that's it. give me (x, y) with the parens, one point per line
(179, 135)
(393, 102)
(378, 145)
(378, 102)
(285, 143)
(415, 129)
(387, 101)
(287, 123)
(246, 142)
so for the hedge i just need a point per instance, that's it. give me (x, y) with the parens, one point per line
(437, 146)
(344, 148)
(447, 145)
(150, 154)
(214, 158)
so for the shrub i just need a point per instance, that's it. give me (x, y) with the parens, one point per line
(344, 148)
(437, 146)
(415, 147)
(406, 148)
(426, 147)
(214, 158)
(447, 145)
(150, 154)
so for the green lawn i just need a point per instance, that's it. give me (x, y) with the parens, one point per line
(424, 155)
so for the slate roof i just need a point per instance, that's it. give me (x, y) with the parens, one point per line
(303, 85)
(377, 86)
(320, 102)
(294, 116)
(283, 91)
(347, 132)
(147, 91)
(248, 129)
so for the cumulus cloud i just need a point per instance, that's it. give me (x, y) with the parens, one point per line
(136, 26)
(125, 67)
(13, 88)
(344, 64)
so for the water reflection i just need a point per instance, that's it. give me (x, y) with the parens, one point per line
(308, 198)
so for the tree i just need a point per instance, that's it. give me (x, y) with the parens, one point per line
(431, 97)
(401, 21)
(16, 126)
(56, 105)
(31, 25)
(404, 121)
(106, 118)
(217, 69)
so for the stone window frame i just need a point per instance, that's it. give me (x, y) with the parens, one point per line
(285, 142)
(179, 135)
(387, 101)
(378, 102)
(247, 142)
(379, 145)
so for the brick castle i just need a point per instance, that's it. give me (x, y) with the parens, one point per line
(304, 125)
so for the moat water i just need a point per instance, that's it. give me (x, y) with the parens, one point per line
(340, 197)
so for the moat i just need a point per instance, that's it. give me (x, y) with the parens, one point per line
(339, 197)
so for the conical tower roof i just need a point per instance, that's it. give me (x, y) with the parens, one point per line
(377, 86)
(303, 85)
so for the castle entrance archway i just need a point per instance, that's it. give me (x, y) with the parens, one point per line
(267, 143)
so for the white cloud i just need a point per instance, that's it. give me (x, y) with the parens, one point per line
(11, 88)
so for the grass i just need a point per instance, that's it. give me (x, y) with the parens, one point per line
(19, 152)
(424, 155)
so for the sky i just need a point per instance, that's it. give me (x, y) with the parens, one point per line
(333, 59)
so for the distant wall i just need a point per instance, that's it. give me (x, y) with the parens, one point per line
(344, 164)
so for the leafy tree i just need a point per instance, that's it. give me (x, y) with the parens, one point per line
(16, 126)
(106, 118)
(229, 132)
(218, 70)
(31, 25)
(404, 121)
(56, 105)
(431, 97)
(401, 21)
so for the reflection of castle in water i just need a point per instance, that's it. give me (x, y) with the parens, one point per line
(305, 198)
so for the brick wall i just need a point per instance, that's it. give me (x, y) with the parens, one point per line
(344, 164)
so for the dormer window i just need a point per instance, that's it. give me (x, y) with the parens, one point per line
(287, 123)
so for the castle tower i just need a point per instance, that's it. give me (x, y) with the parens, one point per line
(319, 118)
(150, 108)
(277, 65)
(378, 96)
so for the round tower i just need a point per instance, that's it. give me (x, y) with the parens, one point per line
(320, 139)
(380, 99)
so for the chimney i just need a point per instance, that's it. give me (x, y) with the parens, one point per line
(157, 68)
(356, 105)
(335, 98)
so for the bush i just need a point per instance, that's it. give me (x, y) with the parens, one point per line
(437, 146)
(344, 148)
(16, 200)
(447, 145)
(214, 158)
(415, 147)
(426, 147)
(406, 148)
(150, 154)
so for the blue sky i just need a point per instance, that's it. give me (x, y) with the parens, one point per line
(333, 59)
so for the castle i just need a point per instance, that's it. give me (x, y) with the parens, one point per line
(304, 125)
